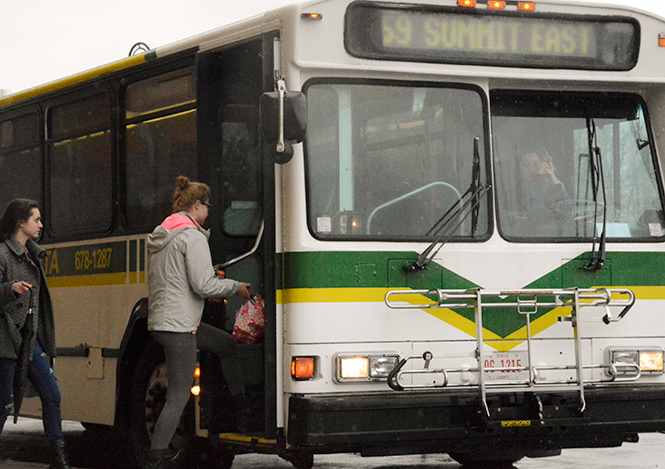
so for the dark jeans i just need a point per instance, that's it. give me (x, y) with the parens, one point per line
(42, 378)
(180, 350)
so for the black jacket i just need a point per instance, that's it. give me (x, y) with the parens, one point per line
(15, 266)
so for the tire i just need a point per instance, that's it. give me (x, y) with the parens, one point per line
(149, 390)
(300, 459)
(484, 459)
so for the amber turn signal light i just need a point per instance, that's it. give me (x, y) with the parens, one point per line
(526, 6)
(302, 368)
(466, 3)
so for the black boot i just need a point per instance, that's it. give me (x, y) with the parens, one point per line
(154, 459)
(60, 459)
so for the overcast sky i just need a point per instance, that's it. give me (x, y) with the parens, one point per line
(43, 40)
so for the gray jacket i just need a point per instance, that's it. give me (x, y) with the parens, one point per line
(180, 277)
(15, 265)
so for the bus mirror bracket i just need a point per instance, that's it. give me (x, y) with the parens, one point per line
(283, 120)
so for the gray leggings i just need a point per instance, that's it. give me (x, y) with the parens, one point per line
(180, 350)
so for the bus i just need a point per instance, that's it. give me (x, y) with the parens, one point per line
(453, 210)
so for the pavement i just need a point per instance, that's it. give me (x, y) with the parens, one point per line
(21, 465)
(27, 439)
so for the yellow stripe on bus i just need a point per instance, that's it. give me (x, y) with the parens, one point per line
(501, 344)
(73, 80)
(333, 295)
(374, 295)
(95, 280)
(246, 439)
(646, 293)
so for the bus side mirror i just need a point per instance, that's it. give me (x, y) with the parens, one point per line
(282, 129)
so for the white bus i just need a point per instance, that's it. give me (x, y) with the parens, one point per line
(453, 210)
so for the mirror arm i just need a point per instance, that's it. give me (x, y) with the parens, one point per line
(281, 90)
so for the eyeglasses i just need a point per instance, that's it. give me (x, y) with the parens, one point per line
(207, 204)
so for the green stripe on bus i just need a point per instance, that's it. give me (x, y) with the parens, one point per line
(385, 269)
(363, 269)
(369, 271)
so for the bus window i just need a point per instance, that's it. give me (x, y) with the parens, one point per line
(241, 163)
(390, 161)
(548, 185)
(160, 144)
(20, 157)
(79, 143)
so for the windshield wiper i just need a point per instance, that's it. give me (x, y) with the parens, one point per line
(468, 204)
(597, 177)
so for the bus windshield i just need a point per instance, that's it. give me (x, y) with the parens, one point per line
(389, 162)
(570, 166)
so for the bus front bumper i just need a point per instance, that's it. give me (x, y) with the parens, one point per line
(453, 421)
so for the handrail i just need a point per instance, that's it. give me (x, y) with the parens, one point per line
(248, 253)
(406, 196)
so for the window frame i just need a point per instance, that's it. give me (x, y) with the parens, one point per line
(179, 69)
(582, 95)
(96, 89)
(486, 199)
(38, 144)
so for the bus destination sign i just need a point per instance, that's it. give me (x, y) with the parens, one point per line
(445, 35)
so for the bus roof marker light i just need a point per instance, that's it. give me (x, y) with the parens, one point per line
(496, 5)
(466, 3)
(661, 40)
(312, 16)
(526, 6)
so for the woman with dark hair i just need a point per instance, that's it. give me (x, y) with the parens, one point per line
(22, 279)
(180, 277)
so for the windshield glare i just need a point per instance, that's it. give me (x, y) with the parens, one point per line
(548, 186)
(388, 162)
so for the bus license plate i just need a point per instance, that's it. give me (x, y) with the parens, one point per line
(506, 360)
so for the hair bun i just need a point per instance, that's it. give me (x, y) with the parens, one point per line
(182, 182)
(187, 193)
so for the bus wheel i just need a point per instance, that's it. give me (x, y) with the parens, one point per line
(148, 397)
(299, 459)
(483, 459)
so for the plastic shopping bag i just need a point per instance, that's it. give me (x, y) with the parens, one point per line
(250, 322)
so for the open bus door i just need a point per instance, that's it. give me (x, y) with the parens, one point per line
(234, 162)
(241, 175)
(236, 158)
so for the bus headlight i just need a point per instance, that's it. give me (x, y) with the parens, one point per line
(364, 367)
(651, 361)
(627, 362)
(380, 367)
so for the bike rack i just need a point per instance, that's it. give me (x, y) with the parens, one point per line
(526, 302)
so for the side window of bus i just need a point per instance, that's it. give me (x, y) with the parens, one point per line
(160, 144)
(79, 143)
(20, 158)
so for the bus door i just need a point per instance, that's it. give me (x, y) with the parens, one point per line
(230, 82)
